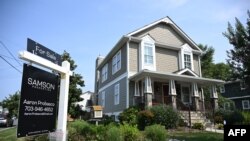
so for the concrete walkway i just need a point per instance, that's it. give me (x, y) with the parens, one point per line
(214, 130)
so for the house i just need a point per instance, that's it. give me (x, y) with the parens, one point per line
(155, 64)
(86, 102)
(238, 92)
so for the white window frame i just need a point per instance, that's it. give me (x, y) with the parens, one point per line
(147, 41)
(103, 98)
(105, 73)
(222, 89)
(186, 50)
(187, 60)
(243, 105)
(116, 62)
(117, 94)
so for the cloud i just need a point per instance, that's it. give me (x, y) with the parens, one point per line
(229, 14)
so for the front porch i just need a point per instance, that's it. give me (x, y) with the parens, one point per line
(182, 92)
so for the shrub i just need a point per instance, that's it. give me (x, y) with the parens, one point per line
(199, 126)
(130, 133)
(165, 115)
(144, 118)
(114, 134)
(220, 126)
(246, 115)
(129, 116)
(233, 117)
(107, 120)
(155, 133)
(218, 119)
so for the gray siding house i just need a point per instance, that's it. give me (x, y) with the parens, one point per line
(155, 64)
(239, 93)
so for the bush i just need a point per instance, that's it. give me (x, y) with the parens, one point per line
(165, 115)
(220, 126)
(155, 133)
(218, 119)
(246, 115)
(129, 116)
(233, 117)
(199, 126)
(144, 118)
(114, 134)
(130, 133)
(107, 120)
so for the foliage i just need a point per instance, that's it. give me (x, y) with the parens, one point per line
(230, 116)
(76, 111)
(246, 115)
(198, 125)
(155, 132)
(144, 118)
(165, 115)
(222, 100)
(107, 120)
(239, 56)
(197, 136)
(75, 82)
(12, 103)
(114, 134)
(129, 116)
(130, 133)
(220, 126)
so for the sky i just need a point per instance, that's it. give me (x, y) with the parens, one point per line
(87, 29)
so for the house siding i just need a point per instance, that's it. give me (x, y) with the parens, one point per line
(123, 69)
(166, 60)
(133, 57)
(196, 64)
(109, 97)
(238, 103)
(163, 33)
(234, 90)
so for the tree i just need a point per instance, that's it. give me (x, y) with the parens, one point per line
(211, 70)
(239, 56)
(76, 80)
(12, 103)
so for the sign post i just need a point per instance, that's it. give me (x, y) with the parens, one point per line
(46, 58)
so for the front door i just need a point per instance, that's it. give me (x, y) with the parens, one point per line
(185, 94)
(165, 93)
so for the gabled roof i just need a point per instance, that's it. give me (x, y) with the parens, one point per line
(168, 21)
(186, 70)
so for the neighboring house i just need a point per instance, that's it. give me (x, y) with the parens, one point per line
(155, 64)
(238, 92)
(1, 109)
(86, 102)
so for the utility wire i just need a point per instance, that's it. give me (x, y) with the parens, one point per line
(11, 64)
(10, 53)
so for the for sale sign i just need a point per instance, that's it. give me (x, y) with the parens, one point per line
(38, 102)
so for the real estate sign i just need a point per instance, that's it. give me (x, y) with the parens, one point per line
(43, 52)
(38, 102)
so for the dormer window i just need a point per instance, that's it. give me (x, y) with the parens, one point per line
(147, 56)
(186, 57)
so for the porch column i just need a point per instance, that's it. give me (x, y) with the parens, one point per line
(195, 97)
(172, 93)
(214, 97)
(148, 91)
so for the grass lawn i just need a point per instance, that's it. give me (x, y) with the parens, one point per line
(196, 136)
(9, 135)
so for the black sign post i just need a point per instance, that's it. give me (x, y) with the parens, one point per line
(43, 52)
(38, 102)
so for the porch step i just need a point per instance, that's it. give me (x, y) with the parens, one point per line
(196, 117)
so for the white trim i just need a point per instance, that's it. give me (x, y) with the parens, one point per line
(243, 107)
(186, 49)
(239, 97)
(113, 82)
(199, 62)
(137, 90)
(185, 70)
(147, 39)
(128, 75)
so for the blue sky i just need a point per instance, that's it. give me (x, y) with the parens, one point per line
(87, 29)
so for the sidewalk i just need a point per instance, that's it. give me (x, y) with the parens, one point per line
(214, 130)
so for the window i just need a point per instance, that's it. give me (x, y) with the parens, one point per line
(105, 73)
(245, 104)
(222, 89)
(148, 53)
(187, 61)
(103, 99)
(226, 106)
(243, 85)
(117, 94)
(116, 62)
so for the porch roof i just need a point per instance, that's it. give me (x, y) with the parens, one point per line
(177, 77)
